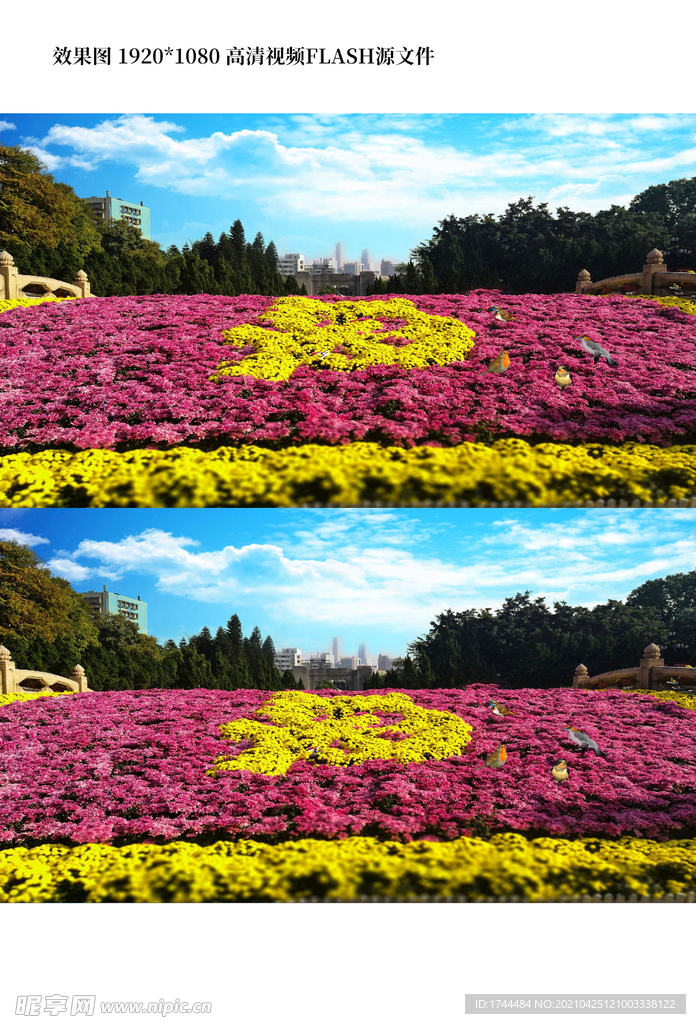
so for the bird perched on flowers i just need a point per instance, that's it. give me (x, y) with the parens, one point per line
(584, 741)
(596, 350)
(563, 377)
(501, 314)
(500, 363)
(498, 709)
(498, 759)
(560, 771)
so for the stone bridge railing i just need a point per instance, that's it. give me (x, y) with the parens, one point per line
(654, 279)
(651, 674)
(14, 285)
(20, 680)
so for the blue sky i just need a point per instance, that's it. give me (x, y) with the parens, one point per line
(376, 181)
(372, 576)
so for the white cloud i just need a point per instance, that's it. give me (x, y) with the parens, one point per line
(69, 569)
(7, 126)
(389, 567)
(22, 538)
(385, 167)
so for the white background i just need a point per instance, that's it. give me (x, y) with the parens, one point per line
(321, 963)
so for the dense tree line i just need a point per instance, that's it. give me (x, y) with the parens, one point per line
(526, 643)
(48, 627)
(528, 249)
(51, 232)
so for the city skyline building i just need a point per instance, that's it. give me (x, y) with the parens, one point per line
(336, 650)
(387, 268)
(287, 658)
(353, 268)
(324, 265)
(291, 263)
(340, 255)
(108, 602)
(362, 653)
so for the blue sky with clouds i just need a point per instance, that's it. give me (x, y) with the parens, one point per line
(373, 576)
(376, 181)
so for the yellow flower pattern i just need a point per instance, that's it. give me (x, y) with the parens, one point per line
(341, 731)
(344, 336)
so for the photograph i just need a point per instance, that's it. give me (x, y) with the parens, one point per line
(470, 705)
(347, 310)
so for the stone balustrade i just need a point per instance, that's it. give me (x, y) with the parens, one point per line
(650, 674)
(19, 680)
(14, 285)
(654, 279)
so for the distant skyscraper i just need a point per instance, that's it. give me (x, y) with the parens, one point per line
(387, 268)
(366, 259)
(336, 650)
(384, 663)
(340, 256)
(362, 654)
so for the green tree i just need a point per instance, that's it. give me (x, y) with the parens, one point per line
(43, 622)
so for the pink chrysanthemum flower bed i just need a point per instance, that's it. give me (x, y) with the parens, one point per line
(118, 767)
(136, 371)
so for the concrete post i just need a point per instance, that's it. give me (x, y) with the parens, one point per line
(651, 659)
(8, 277)
(580, 677)
(81, 281)
(583, 281)
(654, 265)
(7, 670)
(79, 677)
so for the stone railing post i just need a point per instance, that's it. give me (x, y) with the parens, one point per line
(8, 277)
(583, 282)
(580, 677)
(82, 282)
(79, 677)
(7, 670)
(651, 659)
(654, 265)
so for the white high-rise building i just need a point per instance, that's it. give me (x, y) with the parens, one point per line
(362, 654)
(324, 265)
(353, 268)
(336, 650)
(291, 263)
(287, 657)
(366, 259)
(340, 256)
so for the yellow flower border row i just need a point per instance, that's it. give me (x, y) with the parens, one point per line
(507, 865)
(343, 336)
(8, 304)
(10, 698)
(340, 731)
(684, 700)
(509, 470)
(685, 305)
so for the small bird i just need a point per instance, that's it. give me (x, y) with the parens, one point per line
(563, 377)
(498, 759)
(500, 363)
(498, 709)
(584, 741)
(501, 314)
(596, 350)
(560, 771)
